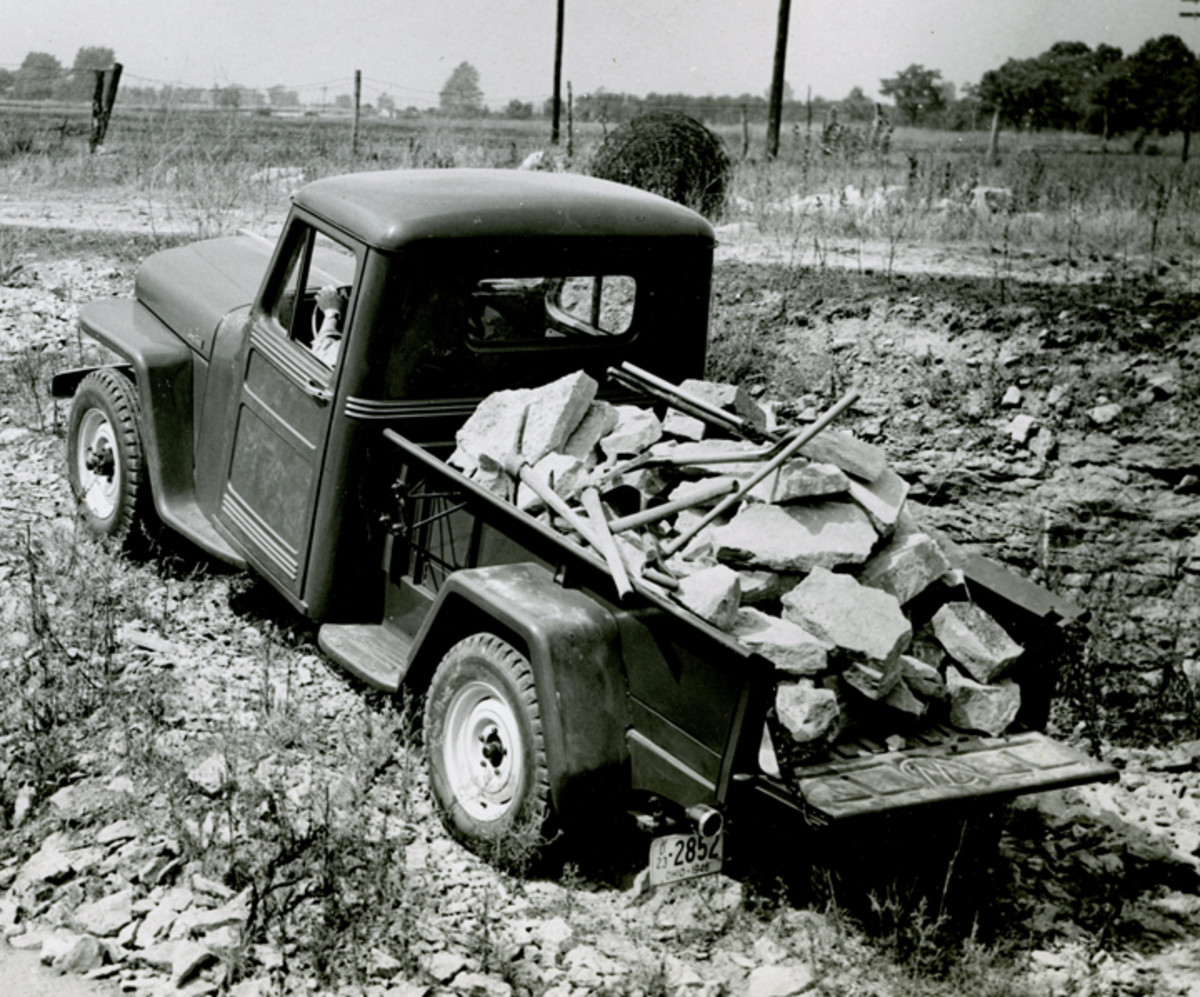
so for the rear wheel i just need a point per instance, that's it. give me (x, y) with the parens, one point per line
(105, 459)
(485, 748)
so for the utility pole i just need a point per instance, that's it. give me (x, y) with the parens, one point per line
(1192, 112)
(357, 104)
(776, 110)
(558, 43)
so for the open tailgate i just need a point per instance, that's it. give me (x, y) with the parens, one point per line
(963, 768)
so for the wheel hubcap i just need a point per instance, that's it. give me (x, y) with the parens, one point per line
(482, 752)
(99, 477)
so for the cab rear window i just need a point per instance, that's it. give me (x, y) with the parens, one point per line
(517, 310)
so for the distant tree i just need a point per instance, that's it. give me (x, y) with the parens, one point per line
(917, 92)
(1162, 78)
(386, 104)
(80, 84)
(460, 95)
(6, 81)
(228, 97)
(36, 78)
(280, 96)
(857, 106)
(518, 111)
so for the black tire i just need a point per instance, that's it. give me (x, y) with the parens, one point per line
(485, 750)
(105, 459)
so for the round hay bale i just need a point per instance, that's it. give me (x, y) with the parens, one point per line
(668, 153)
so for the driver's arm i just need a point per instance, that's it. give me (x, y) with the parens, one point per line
(328, 339)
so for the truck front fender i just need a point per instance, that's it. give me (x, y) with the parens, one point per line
(161, 363)
(574, 647)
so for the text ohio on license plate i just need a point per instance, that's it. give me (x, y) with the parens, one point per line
(675, 857)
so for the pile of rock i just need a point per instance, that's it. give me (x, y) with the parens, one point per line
(819, 567)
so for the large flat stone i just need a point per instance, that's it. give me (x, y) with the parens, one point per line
(906, 567)
(856, 457)
(599, 420)
(684, 426)
(864, 624)
(106, 916)
(882, 499)
(976, 641)
(553, 412)
(796, 538)
(975, 706)
(800, 480)
(789, 647)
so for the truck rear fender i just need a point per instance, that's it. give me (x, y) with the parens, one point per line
(160, 364)
(573, 646)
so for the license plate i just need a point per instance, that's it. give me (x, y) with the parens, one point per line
(675, 857)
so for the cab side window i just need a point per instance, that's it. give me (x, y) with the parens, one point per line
(311, 305)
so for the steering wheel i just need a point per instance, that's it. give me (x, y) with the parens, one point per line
(318, 314)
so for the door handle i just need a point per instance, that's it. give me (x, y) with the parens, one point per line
(315, 389)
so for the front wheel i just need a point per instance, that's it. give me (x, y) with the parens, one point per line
(105, 461)
(485, 748)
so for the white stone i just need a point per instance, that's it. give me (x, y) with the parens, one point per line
(713, 594)
(807, 713)
(1012, 397)
(636, 429)
(493, 429)
(106, 916)
(906, 566)
(790, 647)
(796, 538)
(1020, 428)
(857, 458)
(797, 480)
(865, 624)
(599, 420)
(684, 426)
(881, 499)
(975, 640)
(779, 981)
(976, 706)
(553, 412)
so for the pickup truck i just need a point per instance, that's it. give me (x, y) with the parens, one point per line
(548, 699)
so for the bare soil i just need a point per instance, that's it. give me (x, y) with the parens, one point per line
(1092, 890)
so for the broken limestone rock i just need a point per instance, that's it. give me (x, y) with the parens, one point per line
(730, 397)
(973, 639)
(864, 461)
(106, 916)
(809, 714)
(713, 594)
(683, 426)
(925, 680)
(796, 538)
(976, 706)
(565, 475)
(882, 499)
(494, 428)
(789, 647)
(553, 412)
(636, 429)
(874, 679)
(903, 699)
(799, 479)
(906, 567)
(864, 624)
(599, 420)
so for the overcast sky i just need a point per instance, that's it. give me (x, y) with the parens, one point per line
(408, 47)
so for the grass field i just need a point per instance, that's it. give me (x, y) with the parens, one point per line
(1064, 195)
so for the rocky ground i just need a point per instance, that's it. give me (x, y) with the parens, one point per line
(230, 811)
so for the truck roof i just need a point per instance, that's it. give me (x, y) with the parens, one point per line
(391, 209)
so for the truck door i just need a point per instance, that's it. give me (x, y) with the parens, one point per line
(284, 405)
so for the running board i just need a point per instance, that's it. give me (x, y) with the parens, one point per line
(372, 652)
(970, 768)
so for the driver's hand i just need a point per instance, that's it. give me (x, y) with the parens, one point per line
(329, 299)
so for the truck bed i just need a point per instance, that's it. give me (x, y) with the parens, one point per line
(857, 777)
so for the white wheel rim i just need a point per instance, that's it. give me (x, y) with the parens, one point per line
(98, 464)
(482, 751)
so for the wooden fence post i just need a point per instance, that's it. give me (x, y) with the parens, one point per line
(97, 110)
(745, 132)
(570, 121)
